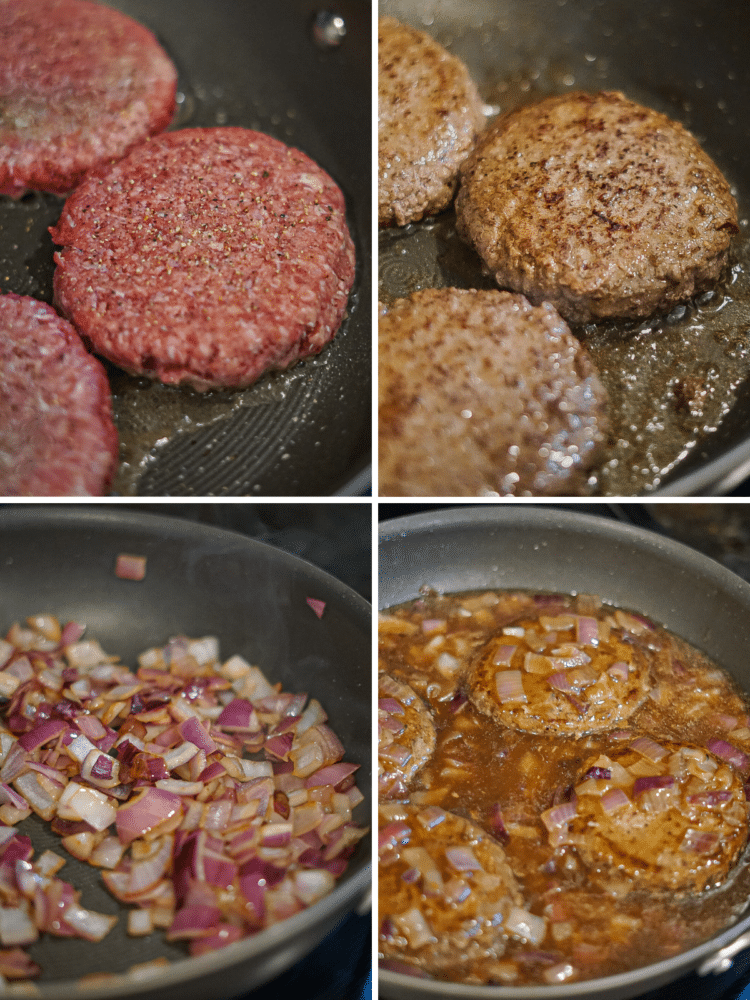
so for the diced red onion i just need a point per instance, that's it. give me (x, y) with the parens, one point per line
(614, 799)
(503, 655)
(650, 782)
(463, 859)
(559, 681)
(649, 749)
(129, 567)
(317, 606)
(559, 815)
(509, 685)
(725, 751)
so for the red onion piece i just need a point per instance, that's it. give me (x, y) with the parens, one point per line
(129, 567)
(650, 782)
(649, 749)
(144, 812)
(317, 606)
(614, 799)
(509, 685)
(558, 816)
(729, 753)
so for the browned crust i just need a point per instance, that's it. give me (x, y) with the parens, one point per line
(598, 205)
(429, 113)
(483, 394)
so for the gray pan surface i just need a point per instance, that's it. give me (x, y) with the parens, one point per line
(678, 385)
(306, 432)
(200, 581)
(523, 547)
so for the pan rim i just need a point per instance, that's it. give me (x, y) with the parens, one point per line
(347, 894)
(527, 516)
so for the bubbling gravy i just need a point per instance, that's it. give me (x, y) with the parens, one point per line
(581, 809)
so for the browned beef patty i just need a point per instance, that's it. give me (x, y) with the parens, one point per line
(540, 677)
(429, 113)
(446, 891)
(598, 205)
(80, 84)
(483, 394)
(207, 257)
(655, 814)
(406, 736)
(57, 437)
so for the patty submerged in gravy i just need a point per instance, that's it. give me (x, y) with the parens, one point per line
(626, 841)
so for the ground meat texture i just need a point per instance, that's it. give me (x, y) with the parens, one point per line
(445, 890)
(57, 437)
(406, 736)
(657, 815)
(598, 205)
(559, 674)
(429, 114)
(482, 394)
(79, 85)
(206, 257)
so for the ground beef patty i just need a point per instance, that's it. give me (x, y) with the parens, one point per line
(56, 432)
(429, 114)
(482, 394)
(445, 890)
(406, 736)
(545, 674)
(205, 257)
(655, 814)
(596, 204)
(79, 85)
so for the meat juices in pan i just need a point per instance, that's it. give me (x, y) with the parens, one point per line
(598, 205)
(429, 113)
(406, 736)
(483, 394)
(626, 834)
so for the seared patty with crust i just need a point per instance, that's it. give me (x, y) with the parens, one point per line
(80, 84)
(483, 394)
(429, 114)
(57, 437)
(205, 257)
(598, 205)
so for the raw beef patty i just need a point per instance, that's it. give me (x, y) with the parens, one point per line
(205, 257)
(80, 84)
(483, 394)
(429, 114)
(598, 205)
(56, 432)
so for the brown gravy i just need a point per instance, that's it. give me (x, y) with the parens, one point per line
(598, 919)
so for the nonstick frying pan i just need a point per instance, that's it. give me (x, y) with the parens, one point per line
(495, 546)
(200, 580)
(678, 385)
(307, 432)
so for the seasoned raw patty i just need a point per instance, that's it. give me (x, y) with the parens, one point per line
(559, 674)
(482, 394)
(205, 257)
(445, 889)
(56, 432)
(598, 205)
(406, 736)
(429, 114)
(79, 85)
(656, 814)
